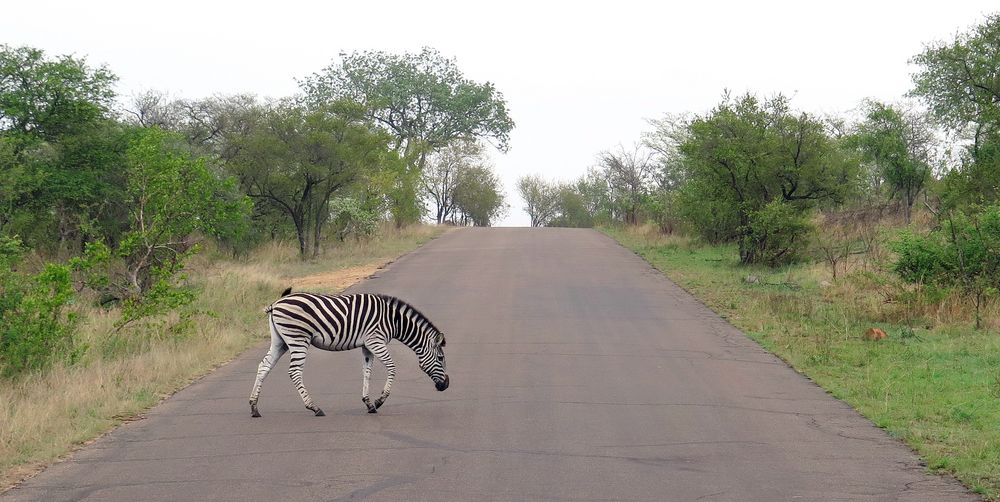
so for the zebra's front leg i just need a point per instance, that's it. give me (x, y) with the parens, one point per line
(366, 371)
(298, 359)
(381, 351)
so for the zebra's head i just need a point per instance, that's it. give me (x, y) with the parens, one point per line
(431, 359)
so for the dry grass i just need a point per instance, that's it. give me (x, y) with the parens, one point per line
(122, 374)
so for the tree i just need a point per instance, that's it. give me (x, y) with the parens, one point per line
(169, 197)
(746, 154)
(899, 145)
(48, 98)
(958, 81)
(441, 176)
(664, 140)
(541, 199)
(295, 160)
(572, 208)
(60, 150)
(422, 99)
(629, 174)
(479, 196)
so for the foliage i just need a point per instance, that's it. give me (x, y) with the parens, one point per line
(50, 98)
(34, 327)
(58, 151)
(958, 81)
(351, 219)
(441, 175)
(964, 253)
(170, 196)
(572, 209)
(423, 100)
(541, 199)
(629, 176)
(776, 234)
(479, 196)
(899, 145)
(747, 153)
(294, 160)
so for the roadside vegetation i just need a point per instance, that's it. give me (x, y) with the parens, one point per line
(863, 249)
(120, 373)
(141, 237)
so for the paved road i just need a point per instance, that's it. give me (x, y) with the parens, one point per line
(577, 373)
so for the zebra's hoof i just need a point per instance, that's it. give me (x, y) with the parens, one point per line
(378, 403)
(254, 414)
(319, 413)
(372, 410)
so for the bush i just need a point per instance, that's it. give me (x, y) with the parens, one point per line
(350, 218)
(963, 253)
(710, 214)
(777, 234)
(34, 328)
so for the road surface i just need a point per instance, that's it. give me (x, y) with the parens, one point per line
(578, 372)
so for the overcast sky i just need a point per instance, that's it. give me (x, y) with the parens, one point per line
(578, 79)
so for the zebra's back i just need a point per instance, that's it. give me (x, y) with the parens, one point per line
(329, 322)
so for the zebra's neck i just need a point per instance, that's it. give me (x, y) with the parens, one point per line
(413, 329)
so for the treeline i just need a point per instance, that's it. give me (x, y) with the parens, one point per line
(755, 172)
(112, 197)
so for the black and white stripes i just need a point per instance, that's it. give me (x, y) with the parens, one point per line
(346, 322)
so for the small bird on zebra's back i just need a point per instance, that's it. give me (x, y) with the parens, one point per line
(345, 322)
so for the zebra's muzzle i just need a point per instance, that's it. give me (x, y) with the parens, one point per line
(442, 385)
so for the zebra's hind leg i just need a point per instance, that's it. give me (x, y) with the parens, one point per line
(366, 372)
(278, 348)
(381, 351)
(298, 359)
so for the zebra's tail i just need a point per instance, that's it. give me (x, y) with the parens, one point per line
(286, 292)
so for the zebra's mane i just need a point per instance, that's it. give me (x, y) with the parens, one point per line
(418, 315)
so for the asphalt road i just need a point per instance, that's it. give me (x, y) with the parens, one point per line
(577, 373)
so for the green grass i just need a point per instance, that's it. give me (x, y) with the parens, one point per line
(934, 383)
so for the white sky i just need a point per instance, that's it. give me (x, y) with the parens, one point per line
(578, 78)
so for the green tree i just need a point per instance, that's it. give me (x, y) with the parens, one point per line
(541, 199)
(899, 145)
(745, 154)
(572, 208)
(424, 100)
(958, 81)
(441, 175)
(49, 98)
(295, 160)
(58, 146)
(170, 197)
(479, 196)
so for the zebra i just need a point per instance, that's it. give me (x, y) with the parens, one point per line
(368, 321)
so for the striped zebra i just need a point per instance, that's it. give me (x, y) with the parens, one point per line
(369, 321)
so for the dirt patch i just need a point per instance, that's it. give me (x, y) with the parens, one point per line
(333, 281)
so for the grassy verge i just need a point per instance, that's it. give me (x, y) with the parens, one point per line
(122, 374)
(934, 382)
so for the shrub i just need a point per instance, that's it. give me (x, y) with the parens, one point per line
(350, 218)
(34, 327)
(963, 253)
(777, 234)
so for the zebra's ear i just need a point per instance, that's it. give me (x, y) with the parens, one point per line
(440, 339)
